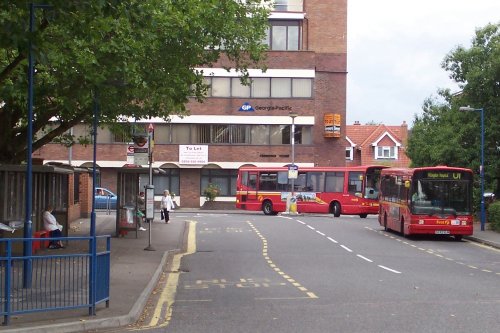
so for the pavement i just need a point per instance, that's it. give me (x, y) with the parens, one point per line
(136, 271)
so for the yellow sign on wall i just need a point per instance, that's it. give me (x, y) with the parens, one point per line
(332, 125)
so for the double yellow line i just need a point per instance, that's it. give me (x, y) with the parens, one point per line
(167, 296)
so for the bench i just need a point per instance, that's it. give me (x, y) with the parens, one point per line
(41, 243)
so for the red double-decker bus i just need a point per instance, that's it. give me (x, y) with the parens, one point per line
(335, 190)
(430, 200)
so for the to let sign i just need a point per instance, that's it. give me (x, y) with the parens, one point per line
(193, 154)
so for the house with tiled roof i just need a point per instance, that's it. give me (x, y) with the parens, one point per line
(377, 144)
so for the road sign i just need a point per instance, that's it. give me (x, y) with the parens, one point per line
(293, 171)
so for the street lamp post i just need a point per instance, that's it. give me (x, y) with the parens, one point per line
(292, 115)
(481, 167)
(27, 249)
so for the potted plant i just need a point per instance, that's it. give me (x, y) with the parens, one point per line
(211, 192)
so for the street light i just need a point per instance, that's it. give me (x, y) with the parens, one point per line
(27, 248)
(292, 115)
(481, 167)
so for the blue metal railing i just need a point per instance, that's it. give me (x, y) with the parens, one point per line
(60, 279)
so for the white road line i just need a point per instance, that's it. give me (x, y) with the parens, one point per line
(346, 248)
(331, 239)
(389, 269)
(349, 250)
(364, 258)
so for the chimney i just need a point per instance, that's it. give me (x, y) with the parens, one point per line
(357, 123)
(404, 132)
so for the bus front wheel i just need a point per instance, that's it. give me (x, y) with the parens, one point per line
(363, 216)
(267, 207)
(336, 209)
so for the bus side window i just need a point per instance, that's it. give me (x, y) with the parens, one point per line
(355, 183)
(300, 182)
(334, 182)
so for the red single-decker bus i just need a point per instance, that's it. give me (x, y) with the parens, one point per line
(335, 190)
(428, 200)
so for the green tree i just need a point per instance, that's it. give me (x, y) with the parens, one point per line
(444, 135)
(139, 55)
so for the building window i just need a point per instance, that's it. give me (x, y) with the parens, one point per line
(281, 88)
(283, 35)
(221, 133)
(221, 87)
(288, 5)
(225, 179)
(301, 88)
(241, 134)
(181, 133)
(229, 87)
(168, 179)
(261, 87)
(202, 134)
(280, 134)
(238, 89)
(386, 152)
(349, 153)
(260, 135)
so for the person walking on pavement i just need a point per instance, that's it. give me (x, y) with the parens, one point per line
(167, 205)
(141, 210)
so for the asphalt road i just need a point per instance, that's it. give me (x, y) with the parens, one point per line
(256, 273)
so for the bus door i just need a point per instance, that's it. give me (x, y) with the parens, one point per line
(352, 198)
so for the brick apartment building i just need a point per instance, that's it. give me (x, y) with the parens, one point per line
(239, 125)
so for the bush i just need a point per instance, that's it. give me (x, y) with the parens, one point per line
(494, 215)
(211, 192)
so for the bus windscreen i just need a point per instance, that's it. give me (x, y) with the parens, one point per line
(441, 193)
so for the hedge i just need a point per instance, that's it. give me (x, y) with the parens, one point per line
(494, 215)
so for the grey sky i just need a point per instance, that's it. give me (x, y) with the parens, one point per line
(395, 50)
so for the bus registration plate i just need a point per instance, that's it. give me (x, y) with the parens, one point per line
(442, 232)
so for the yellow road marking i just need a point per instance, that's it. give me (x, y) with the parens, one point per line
(277, 269)
(167, 296)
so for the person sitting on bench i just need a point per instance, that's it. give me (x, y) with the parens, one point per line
(53, 227)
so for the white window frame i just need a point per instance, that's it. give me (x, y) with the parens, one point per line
(386, 152)
(395, 148)
(350, 150)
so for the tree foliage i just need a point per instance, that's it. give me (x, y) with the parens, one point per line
(138, 56)
(444, 135)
